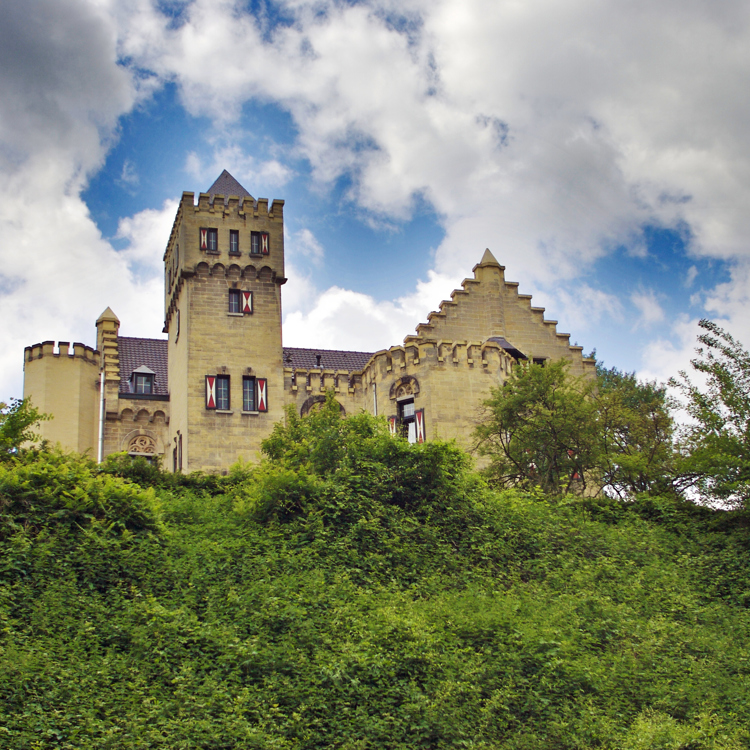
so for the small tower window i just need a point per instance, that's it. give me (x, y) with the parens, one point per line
(234, 242)
(142, 380)
(255, 243)
(248, 393)
(209, 240)
(235, 301)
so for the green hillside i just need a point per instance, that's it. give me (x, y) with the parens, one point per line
(358, 592)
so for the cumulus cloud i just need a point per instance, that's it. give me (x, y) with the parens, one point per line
(59, 104)
(649, 309)
(554, 132)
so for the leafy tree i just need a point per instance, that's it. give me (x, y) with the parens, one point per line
(716, 447)
(546, 429)
(16, 423)
(636, 434)
(541, 429)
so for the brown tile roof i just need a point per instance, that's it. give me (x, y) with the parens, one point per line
(226, 185)
(152, 353)
(330, 359)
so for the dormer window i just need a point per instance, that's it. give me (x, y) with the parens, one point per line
(142, 380)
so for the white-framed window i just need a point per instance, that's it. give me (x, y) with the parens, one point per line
(209, 239)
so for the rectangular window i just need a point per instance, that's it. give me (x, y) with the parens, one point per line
(222, 392)
(411, 421)
(144, 383)
(248, 394)
(235, 301)
(217, 392)
(255, 243)
(234, 242)
(209, 240)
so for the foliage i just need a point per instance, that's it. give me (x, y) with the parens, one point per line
(48, 490)
(547, 429)
(540, 429)
(717, 445)
(16, 423)
(636, 435)
(355, 591)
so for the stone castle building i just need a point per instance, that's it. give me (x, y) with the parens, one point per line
(213, 389)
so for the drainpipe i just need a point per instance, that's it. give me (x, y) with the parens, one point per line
(100, 452)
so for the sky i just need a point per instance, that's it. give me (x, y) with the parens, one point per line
(600, 149)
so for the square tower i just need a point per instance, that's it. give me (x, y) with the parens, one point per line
(223, 271)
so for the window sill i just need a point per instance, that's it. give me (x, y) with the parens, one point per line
(223, 411)
(253, 413)
(235, 255)
(235, 315)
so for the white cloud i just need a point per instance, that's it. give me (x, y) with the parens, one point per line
(147, 233)
(550, 131)
(344, 319)
(60, 100)
(649, 309)
(558, 129)
(242, 166)
(304, 243)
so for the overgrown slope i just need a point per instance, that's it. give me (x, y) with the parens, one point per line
(358, 592)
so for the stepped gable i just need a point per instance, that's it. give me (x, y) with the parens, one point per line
(330, 359)
(226, 185)
(135, 353)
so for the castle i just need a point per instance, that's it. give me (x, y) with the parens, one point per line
(211, 391)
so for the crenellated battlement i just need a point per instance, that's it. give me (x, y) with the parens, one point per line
(233, 206)
(62, 349)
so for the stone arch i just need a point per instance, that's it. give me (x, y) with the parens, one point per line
(142, 442)
(218, 268)
(408, 385)
(314, 403)
(250, 272)
(234, 272)
(160, 416)
(126, 414)
(266, 274)
(142, 416)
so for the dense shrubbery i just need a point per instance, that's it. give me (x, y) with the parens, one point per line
(354, 591)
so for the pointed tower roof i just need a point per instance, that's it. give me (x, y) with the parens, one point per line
(488, 259)
(226, 185)
(108, 315)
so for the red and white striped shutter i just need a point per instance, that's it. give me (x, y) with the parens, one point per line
(210, 391)
(419, 419)
(204, 239)
(261, 386)
(247, 302)
(264, 243)
(393, 425)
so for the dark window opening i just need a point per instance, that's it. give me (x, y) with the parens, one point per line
(234, 242)
(407, 420)
(255, 243)
(143, 383)
(209, 240)
(222, 392)
(235, 301)
(248, 394)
